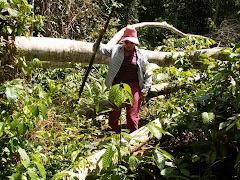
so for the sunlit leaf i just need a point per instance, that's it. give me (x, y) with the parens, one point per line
(74, 155)
(24, 157)
(60, 175)
(133, 163)
(44, 111)
(128, 93)
(32, 173)
(167, 171)
(9, 29)
(107, 157)
(155, 131)
(26, 110)
(208, 117)
(117, 95)
(238, 124)
(12, 12)
(11, 93)
(41, 169)
(2, 125)
(231, 125)
(162, 76)
(159, 159)
(166, 154)
(152, 67)
(224, 124)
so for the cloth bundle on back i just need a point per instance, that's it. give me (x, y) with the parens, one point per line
(127, 65)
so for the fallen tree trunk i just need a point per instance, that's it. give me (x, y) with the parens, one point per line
(64, 50)
(139, 138)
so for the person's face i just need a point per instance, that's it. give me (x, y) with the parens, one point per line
(128, 45)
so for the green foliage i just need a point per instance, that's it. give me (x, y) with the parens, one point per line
(18, 112)
(208, 108)
(107, 157)
(119, 93)
(43, 137)
(15, 17)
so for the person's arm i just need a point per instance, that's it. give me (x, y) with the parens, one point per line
(103, 48)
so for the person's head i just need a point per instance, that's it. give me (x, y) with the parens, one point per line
(129, 37)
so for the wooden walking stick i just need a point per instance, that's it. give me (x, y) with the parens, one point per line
(94, 53)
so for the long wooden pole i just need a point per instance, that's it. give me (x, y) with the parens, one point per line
(94, 53)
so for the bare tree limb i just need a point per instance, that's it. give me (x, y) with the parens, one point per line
(163, 24)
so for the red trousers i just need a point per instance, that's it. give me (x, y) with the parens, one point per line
(132, 111)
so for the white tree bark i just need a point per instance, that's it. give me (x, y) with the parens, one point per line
(56, 50)
(163, 24)
(64, 50)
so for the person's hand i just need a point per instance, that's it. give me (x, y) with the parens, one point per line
(142, 96)
(102, 31)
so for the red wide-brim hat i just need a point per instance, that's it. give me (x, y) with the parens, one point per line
(130, 34)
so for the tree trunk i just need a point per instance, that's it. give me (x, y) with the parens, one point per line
(64, 50)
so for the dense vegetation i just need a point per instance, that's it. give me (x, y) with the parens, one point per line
(42, 134)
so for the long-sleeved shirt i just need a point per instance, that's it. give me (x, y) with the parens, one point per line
(116, 52)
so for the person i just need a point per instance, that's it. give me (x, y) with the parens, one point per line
(127, 65)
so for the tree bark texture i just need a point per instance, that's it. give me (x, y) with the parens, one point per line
(56, 50)
(65, 50)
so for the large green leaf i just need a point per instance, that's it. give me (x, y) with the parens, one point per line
(35, 111)
(167, 171)
(224, 124)
(152, 67)
(2, 126)
(32, 173)
(133, 163)
(107, 157)
(41, 169)
(44, 111)
(166, 154)
(22, 128)
(208, 117)
(14, 123)
(24, 156)
(128, 93)
(117, 95)
(155, 131)
(60, 175)
(159, 159)
(11, 93)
